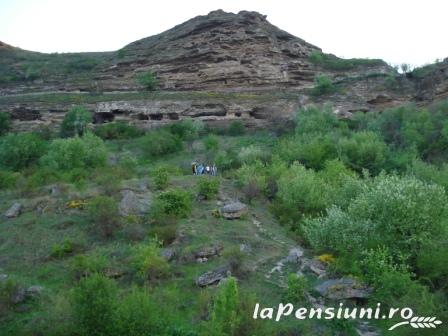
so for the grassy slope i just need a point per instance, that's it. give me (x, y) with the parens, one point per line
(26, 242)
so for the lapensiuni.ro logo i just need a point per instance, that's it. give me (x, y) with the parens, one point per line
(341, 312)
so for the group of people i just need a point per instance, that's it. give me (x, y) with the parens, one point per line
(203, 169)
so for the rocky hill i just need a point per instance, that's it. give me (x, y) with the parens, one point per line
(215, 67)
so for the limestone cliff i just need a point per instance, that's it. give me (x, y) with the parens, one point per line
(217, 67)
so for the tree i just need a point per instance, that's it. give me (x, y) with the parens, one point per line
(148, 80)
(75, 122)
(5, 123)
(225, 319)
(95, 306)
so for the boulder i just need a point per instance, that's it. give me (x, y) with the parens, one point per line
(14, 210)
(134, 204)
(234, 210)
(168, 253)
(344, 288)
(34, 291)
(294, 255)
(214, 276)
(208, 251)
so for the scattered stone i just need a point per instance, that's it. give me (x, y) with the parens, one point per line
(19, 296)
(14, 210)
(133, 204)
(34, 291)
(234, 210)
(318, 268)
(245, 248)
(294, 255)
(344, 288)
(213, 277)
(168, 253)
(201, 260)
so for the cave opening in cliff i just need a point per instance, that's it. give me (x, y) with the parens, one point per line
(103, 117)
(156, 116)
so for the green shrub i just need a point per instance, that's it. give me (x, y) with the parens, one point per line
(323, 85)
(63, 249)
(187, 129)
(224, 317)
(251, 154)
(300, 192)
(5, 123)
(297, 288)
(332, 62)
(314, 119)
(8, 292)
(160, 176)
(8, 179)
(138, 315)
(211, 143)
(208, 187)
(18, 151)
(160, 142)
(236, 128)
(148, 80)
(83, 265)
(402, 214)
(95, 306)
(83, 152)
(364, 150)
(175, 202)
(166, 234)
(148, 262)
(103, 211)
(75, 122)
(310, 150)
(117, 130)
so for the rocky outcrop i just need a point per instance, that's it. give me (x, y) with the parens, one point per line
(217, 68)
(214, 276)
(233, 210)
(14, 210)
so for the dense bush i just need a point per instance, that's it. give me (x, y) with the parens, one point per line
(138, 315)
(332, 62)
(236, 127)
(225, 317)
(160, 176)
(117, 130)
(8, 179)
(175, 202)
(83, 152)
(159, 143)
(251, 154)
(402, 214)
(211, 143)
(84, 265)
(208, 187)
(94, 306)
(75, 122)
(148, 262)
(148, 80)
(18, 151)
(5, 123)
(187, 129)
(104, 214)
(364, 150)
(323, 85)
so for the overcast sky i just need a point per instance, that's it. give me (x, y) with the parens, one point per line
(397, 31)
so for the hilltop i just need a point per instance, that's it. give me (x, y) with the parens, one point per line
(216, 67)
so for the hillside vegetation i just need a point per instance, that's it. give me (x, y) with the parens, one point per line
(115, 230)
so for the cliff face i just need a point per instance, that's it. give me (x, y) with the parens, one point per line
(217, 67)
